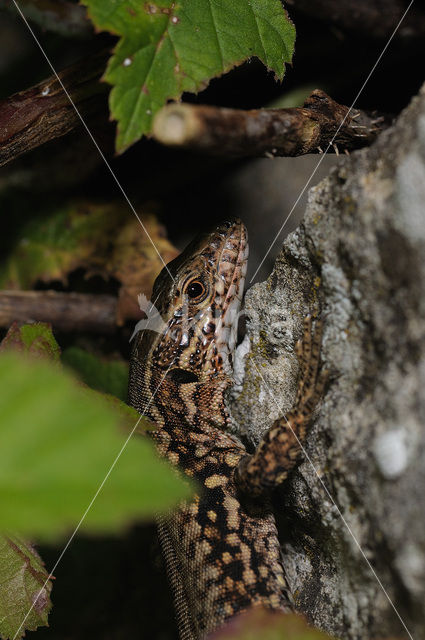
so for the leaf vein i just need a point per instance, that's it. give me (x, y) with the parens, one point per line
(214, 21)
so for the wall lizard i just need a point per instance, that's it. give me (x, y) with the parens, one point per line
(221, 550)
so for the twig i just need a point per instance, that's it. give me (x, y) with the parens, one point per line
(65, 311)
(267, 132)
(43, 112)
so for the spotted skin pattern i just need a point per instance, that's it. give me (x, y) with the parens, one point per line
(221, 549)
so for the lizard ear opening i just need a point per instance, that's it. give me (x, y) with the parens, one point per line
(181, 376)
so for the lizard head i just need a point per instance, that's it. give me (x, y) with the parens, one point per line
(198, 296)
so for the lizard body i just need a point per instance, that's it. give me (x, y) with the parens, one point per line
(221, 549)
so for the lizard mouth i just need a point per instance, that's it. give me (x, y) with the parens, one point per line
(232, 267)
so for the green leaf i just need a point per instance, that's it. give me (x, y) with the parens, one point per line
(107, 376)
(58, 442)
(169, 47)
(35, 339)
(294, 98)
(23, 582)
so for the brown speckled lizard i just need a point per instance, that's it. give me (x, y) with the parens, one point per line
(221, 549)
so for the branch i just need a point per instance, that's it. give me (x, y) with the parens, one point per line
(267, 132)
(65, 311)
(43, 112)
(371, 18)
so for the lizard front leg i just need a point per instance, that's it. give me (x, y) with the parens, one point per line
(280, 448)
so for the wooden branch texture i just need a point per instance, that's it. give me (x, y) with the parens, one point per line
(268, 132)
(65, 311)
(43, 112)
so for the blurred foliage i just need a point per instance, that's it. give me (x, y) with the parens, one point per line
(294, 98)
(101, 238)
(68, 458)
(50, 433)
(33, 339)
(268, 625)
(109, 376)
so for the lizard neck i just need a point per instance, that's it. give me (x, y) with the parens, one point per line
(198, 406)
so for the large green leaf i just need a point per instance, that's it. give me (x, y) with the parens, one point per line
(107, 376)
(57, 443)
(169, 47)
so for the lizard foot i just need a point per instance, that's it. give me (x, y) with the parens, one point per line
(280, 448)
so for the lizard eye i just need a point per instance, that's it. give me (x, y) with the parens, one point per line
(195, 289)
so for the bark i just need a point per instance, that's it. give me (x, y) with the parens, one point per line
(65, 311)
(319, 124)
(359, 257)
(43, 112)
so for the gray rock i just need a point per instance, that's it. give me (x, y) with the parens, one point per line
(353, 513)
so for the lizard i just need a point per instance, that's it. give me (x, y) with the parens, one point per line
(221, 549)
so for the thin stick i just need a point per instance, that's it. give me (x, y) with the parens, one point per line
(267, 132)
(65, 311)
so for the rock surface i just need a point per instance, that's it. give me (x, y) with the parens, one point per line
(353, 513)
